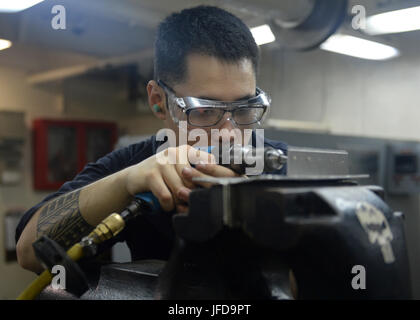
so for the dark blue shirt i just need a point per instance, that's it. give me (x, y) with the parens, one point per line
(148, 237)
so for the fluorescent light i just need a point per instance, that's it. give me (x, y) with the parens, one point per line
(263, 34)
(4, 44)
(360, 48)
(394, 21)
(17, 5)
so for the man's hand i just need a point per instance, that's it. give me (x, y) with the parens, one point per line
(168, 175)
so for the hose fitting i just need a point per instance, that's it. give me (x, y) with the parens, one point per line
(108, 228)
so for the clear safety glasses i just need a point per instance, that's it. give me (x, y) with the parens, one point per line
(208, 113)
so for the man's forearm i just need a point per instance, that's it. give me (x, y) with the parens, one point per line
(69, 217)
(61, 220)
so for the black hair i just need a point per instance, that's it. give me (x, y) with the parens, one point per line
(204, 30)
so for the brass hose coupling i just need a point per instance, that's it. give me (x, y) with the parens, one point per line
(108, 228)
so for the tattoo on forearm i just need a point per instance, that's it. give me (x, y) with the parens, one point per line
(62, 221)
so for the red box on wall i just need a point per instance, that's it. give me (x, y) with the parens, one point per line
(62, 148)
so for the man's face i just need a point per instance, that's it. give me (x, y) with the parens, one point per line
(210, 78)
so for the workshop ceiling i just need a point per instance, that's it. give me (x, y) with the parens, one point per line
(102, 29)
(105, 28)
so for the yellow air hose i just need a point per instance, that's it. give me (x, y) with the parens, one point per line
(108, 228)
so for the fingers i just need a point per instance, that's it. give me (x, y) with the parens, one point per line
(184, 194)
(175, 183)
(190, 173)
(215, 170)
(182, 208)
(184, 155)
(172, 182)
(169, 190)
(158, 187)
(196, 156)
(188, 183)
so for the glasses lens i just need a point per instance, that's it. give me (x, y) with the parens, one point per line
(248, 115)
(204, 117)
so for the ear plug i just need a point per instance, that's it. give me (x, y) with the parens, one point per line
(156, 108)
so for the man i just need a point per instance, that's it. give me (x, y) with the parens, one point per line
(205, 53)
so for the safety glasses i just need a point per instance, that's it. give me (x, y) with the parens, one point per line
(208, 113)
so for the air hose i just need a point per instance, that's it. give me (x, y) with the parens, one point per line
(31, 292)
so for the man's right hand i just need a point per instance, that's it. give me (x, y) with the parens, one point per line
(169, 173)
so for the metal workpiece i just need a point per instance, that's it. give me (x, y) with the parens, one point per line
(301, 162)
(310, 161)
